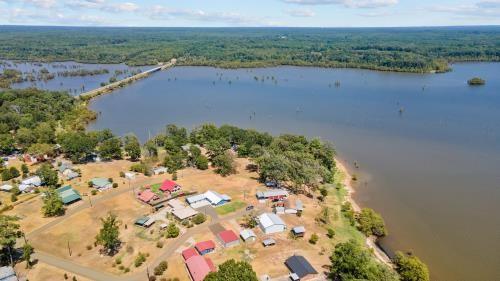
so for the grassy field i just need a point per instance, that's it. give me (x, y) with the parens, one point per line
(230, 207)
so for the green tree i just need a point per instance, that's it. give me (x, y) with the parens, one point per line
(174, 161)
(273, 167)
(77, 145)
(132, 147)
(172, 231)
(199, 218)
(109, 235)
(14, 172)
(201, 162)
(204, 133)
(6, 175)
(232, 270)
(41, 149)
(48, 175)
(25, 137)
(371, 223)
(27, 252)
(44, 133)
(217, 147)
(177, 134)
(25, 169)
(6, 143)
(224, 164)
(9, 233)
(411, 268)
(352, 262)
(111, 148)
(52, 204)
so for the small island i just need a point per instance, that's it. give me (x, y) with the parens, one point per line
(476, 81)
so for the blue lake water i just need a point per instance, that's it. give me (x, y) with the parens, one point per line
(428, 145)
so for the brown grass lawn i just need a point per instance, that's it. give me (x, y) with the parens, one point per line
(44, 272)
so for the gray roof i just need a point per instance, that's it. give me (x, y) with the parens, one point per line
(247, 233)
(298, 229)
(269, 241)
(299, 206)
(7, 273)
(300, 266)
(271, 193)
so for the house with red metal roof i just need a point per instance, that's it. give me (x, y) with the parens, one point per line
(228, 238)
(146, 196)
(188, 253)
(170, 186)
(205, 247)
(199, 267)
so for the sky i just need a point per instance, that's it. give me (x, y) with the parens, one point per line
(253, 13)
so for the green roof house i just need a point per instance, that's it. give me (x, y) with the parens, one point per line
(68, 194)
(101, 183)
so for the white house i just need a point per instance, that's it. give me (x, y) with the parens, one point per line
(248, 235)
(6, 187)
(159, 170)
(32, 181)
(208, 198)
(271, 223)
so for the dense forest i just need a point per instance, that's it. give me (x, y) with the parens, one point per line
(391, 49)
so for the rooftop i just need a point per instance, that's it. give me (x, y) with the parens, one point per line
(300, 266)
(205, 245)
(198, 267)
(188, 253)
(228, 236)
(269, 219)
(68, 194)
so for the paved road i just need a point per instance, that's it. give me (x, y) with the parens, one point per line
(98, 275)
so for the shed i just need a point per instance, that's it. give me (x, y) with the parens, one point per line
(144, 222)
(298, 231)
(6, 187)
(301, 267)
(64, 166)
(271, 223)
(159, 170)
(205, 247)
(130, 175)
(7, 273)
(68, 195)
(188, 253)
(196, 198)
(70, 174)
(228, 238)
(199, 267)
(269, 242)
(101, 183)
(299, 206)
(279, 210)
(248, 235)
(277, 194)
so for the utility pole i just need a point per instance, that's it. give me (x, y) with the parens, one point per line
(69, 249)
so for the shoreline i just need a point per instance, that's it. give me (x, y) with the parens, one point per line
(378, 252)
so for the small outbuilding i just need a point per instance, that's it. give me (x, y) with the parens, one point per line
(298, 231)
(6, 187)
(7, 273)
(68, 194)
(300, 268)
(145, 222)
(147, 196)
(159, 170)
(274, 195)
(248, 235)
(205, 247)
(268, 242)
(228, 238)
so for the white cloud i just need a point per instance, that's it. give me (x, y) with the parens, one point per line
(42, 3)
(489, 9)
(121, 7)
(306, 13)
(159, 12)
(346, 3)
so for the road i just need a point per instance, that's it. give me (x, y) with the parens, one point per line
(98, 275)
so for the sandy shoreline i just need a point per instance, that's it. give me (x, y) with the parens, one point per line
(370, 241)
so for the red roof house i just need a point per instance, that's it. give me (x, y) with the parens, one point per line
(210, 264)
(228, 238)
(147, 195)
(170, 186)
(199, 267)
(188, 253)
(205, 247)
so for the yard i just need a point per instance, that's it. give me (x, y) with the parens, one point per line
(230, 207)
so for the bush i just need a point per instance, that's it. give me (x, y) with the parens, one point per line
(199, 218)
(90, 184)
(331, 233)
(122, 174)
(118, 260)
(89, 247)
(371, 223)
(140, 259)
(172, 231)
(13, 197)
(110, 179)
(161, 268)
(93, 192)
(115, 185)
(314, 238)
(159, 244)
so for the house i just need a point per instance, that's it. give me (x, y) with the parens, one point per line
(205, 247)
(34, 181)
(199, 267)
(176, 204)
(299, 206)
(147, 196)
(170, 186)
(184, 213)
(145, 222)
(228, 238)
(273, 195)
(30, 159)
(271, 223)
(101, 183)
(159, 170)
(188, 253)
(298, 231)
(248, 235)
(7, 273)
(300, 268)
(6, 187)
(268, 242)
(208, 198)
(63, 167)
(70, 174)
(68, 195)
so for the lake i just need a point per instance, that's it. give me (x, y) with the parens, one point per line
(73, 84)
(427, 145)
